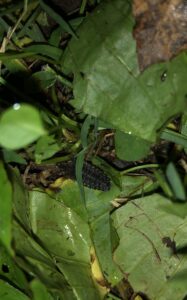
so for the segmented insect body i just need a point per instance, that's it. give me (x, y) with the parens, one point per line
(93, 177)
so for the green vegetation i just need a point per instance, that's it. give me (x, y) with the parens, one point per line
(70, 87)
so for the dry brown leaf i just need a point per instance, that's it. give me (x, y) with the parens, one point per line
(161, 30)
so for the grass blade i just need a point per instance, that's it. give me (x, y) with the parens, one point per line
(174, 137)
(175, 182)
(57, 18)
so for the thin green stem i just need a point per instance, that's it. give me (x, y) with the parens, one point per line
(29, 21)
(113, 296)
(25, 5)
(64, 81)
(83, 6)
(69, 121)
(76, 146)
(148, 166)
(57, 159)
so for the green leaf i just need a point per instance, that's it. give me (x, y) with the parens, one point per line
(184, 129)
(67, 196)
(30, 27)
(43, 79)
(46, 147)
(78, 172)
(8, 292)
(20, 199)
(162, 181)
(10, 272)
(16, 66)
(38, 261)
(175, 182)
(55, 37)
(129, 147)
(70, 242)
(12, 156)
(97, 215)
(56, 17)
(178, 209)
(99, 206)
(174, 137)
(39, 291)
(83, 6)
(107, 80)
(85, 130)
(80, 157)
(134, 185)
(5, 208)
(12, 55)
(20, 126)
(32, 250)
(48, 50)
(146, 252)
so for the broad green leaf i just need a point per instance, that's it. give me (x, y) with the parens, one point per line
(146, 252)
(5, 208)
(132, 185)
(46, 147)
(26, 245)
(10, 272)
(15, 66)
(8, 292)
(20, 199)
(39, 291)
(175, 182)
(98, 206)
(75, 23)
(55, 37)
(39, 262)
(130, 147)
(12, 156)
(69, 189)
(20, 126)
(107, 80)
(42, 80)
(178, 209)
(70, 243)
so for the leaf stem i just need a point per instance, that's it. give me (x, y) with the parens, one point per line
(148, 166)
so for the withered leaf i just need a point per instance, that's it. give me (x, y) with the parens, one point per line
(161, 30)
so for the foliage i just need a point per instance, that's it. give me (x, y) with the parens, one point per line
(71, 88)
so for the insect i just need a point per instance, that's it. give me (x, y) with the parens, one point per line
(93, 177)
